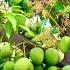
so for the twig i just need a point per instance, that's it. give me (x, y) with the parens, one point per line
(24, 47)
(19, 44)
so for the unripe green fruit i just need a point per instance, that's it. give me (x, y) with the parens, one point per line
(23, 64)
(6, 52)
(64, 44)
(27, 35)
(38, 67)
(31, 67)
(51, 56)
(9, 66)
(52, 68)
(5, 49)
(67, 67)
(37, 55)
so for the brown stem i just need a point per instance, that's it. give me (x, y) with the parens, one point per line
(24, 47)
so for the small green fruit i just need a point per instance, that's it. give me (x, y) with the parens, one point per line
(64, 44)
(51, 56)
(9, 66)
(27, 35)
(31, 67)
(52, 68)
(38, 67)
(5, 50)
(23, 64)
(37, 55)
(67, 67)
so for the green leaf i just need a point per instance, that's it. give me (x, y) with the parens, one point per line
(20, 19)
(16, 9)
(58, 7)
(12, 19)
(26, 5)
(28, 30)
(8, 29)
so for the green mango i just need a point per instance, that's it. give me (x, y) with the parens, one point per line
(27, 35)
(23, 64)
(64, 44)
(39, 67)
(5, 50)
(67, 67)
(52, 68)
(9, 66)
(51, 56)
(37, 55)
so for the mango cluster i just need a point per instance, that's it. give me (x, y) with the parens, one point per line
(38, 59)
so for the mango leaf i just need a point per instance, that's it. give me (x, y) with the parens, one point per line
(8, 29)
(20, 19)
(28, 30)
(16, 9)
(58, 7)
(12, 19)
